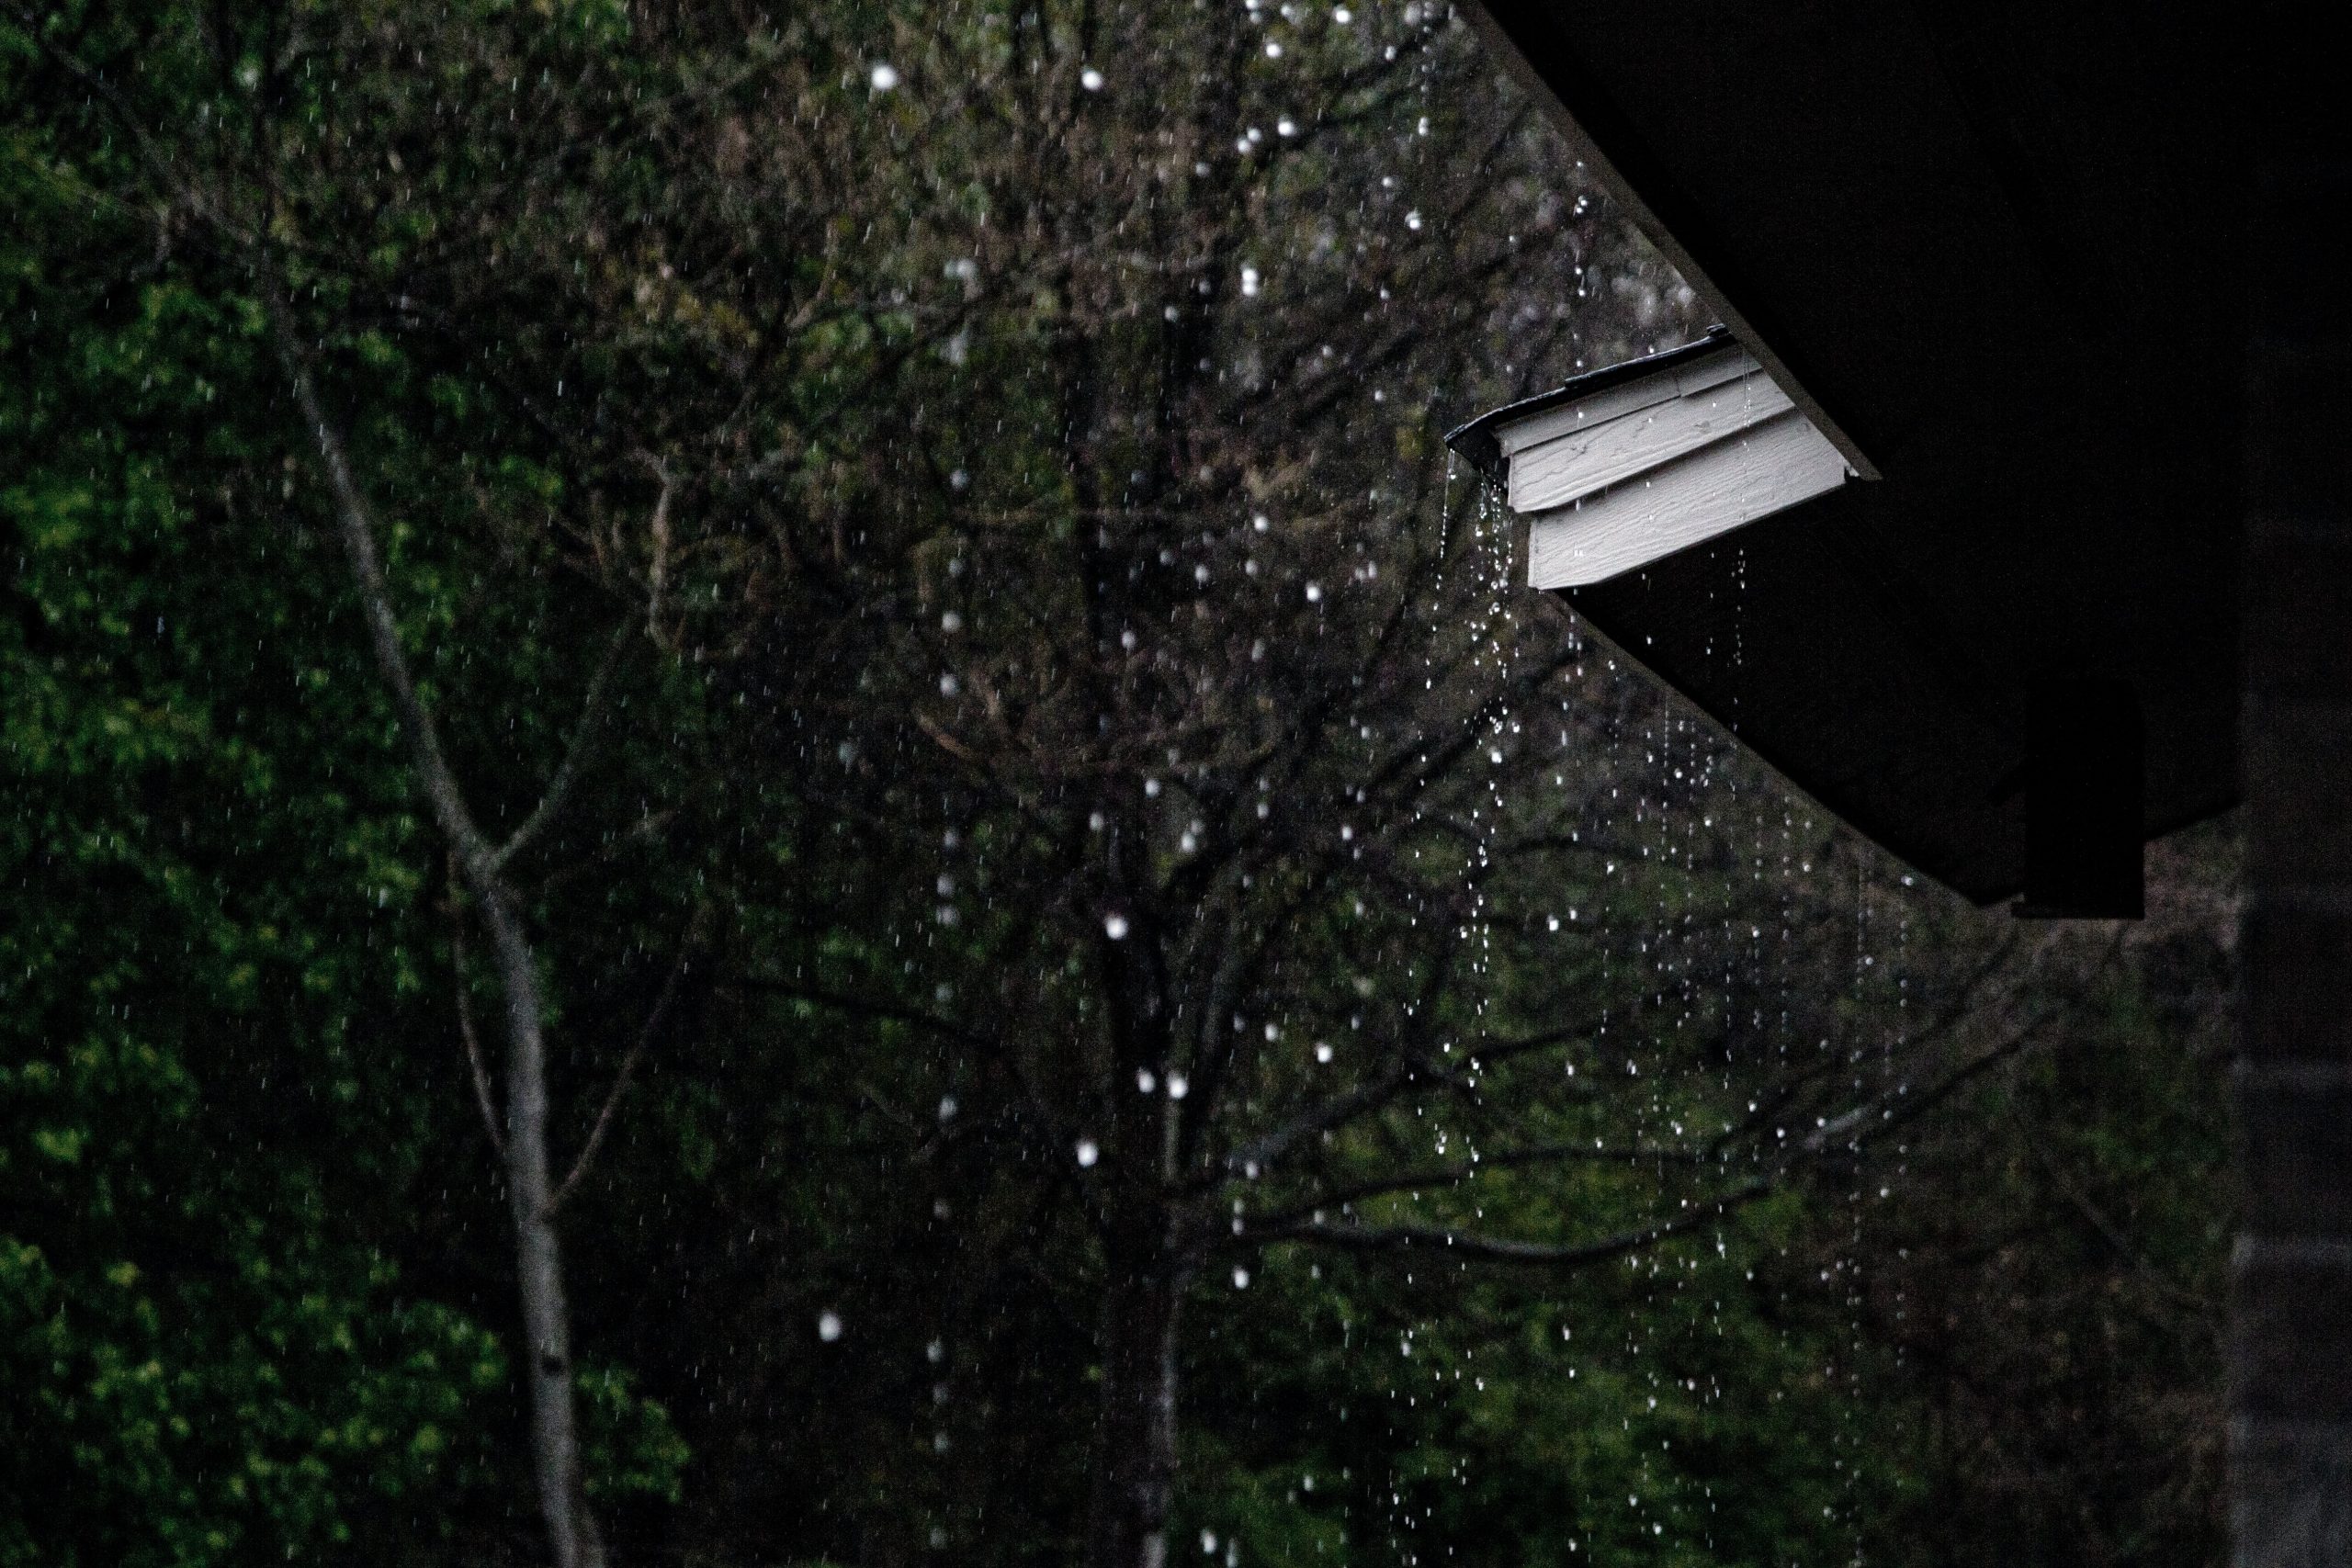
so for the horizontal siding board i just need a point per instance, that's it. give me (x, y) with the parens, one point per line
(1711, 491)
(1629, 396)
(1576, 464)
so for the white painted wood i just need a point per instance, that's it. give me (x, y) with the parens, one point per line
(1626, 397)
(1652, 465)
(1711, 491)
(1575, 466)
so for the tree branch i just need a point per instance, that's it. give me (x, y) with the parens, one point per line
(483, 1098)
(1915, 1106)
(687, 946)
(572, 1526)
(567, 772)
(175, 182)
(1509, 1159)
(862, 1007)
(356, 525)
(1496, 1249)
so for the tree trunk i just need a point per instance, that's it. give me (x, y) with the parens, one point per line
(538, 1253)
(1134, 1431)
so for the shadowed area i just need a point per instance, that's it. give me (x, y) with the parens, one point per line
(1994, 245)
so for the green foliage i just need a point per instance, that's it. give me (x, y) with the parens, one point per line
(224, 1092)
(205, 1360)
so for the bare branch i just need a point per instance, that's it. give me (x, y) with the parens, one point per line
(1324, 1116)
(356, 525)
(1496, 1249)
(862, 1007)
(657, 575)
(483, 1098)
(1411, 1069)
(567, 773)
(1901, 1106)
(176, 182)
(1509, 1159)
(688, 946)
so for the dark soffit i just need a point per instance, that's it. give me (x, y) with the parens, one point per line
(1989, 249)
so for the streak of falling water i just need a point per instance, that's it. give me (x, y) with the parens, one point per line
(1472, 641)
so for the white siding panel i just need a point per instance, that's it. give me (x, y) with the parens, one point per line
(1711, 491)
(1616, 403)
(1574, 466)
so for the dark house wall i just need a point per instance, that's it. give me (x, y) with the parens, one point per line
(2291, 1322)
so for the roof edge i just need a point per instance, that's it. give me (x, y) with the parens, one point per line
(1505, 40)
(1475, 441)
